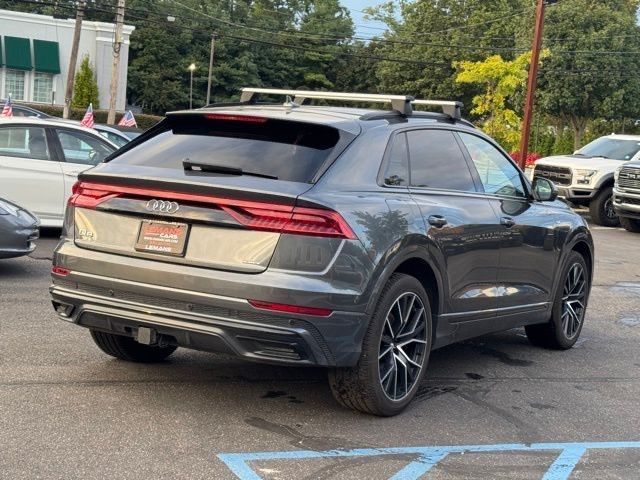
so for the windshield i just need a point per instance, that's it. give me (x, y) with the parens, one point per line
(614, 148)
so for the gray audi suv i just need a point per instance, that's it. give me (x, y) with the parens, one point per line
(350, 238)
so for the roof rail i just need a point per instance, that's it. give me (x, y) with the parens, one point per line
(400, 103)
(451, 108)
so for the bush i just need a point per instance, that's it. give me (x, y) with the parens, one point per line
(100, 116)
(532, 158)
(85, 86)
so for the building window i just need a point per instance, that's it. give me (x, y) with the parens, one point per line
(14, 84)
(42, 86)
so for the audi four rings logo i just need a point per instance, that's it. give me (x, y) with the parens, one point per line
(162, 206)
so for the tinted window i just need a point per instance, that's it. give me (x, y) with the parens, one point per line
(397, 167)
(24, 142)
(292, 151)
(437, 161)
(117, 139)
(78, 147)
(497, 174)
(614, 148)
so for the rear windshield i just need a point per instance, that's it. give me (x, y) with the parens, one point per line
(292, 151)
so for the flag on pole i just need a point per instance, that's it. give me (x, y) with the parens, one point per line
(87, 120)
(128, 120)
(7, 110)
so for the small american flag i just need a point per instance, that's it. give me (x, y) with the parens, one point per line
(128, 120)
(7, 110)
(87, 120)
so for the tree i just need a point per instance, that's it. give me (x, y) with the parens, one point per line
(85, 86)
(500, 80)
(595, 47)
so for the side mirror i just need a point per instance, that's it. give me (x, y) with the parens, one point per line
(544, 190)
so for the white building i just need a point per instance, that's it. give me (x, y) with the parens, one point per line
(35, 51)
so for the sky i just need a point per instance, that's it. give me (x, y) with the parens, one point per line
(358, 20)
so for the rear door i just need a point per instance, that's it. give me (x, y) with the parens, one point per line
(30, 174)
(458, 219)
(79, 151)
(529, 251)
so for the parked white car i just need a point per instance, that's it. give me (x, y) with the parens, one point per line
(40, 160)
(586, 177)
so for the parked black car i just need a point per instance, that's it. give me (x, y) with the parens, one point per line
(354, 239)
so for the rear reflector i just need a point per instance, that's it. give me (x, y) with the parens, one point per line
(61, 271)
(270, 217)
(281, 307)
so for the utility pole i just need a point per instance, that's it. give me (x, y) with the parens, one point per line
(73, 59)
(532, 81)
(117, 44)
(213, 47)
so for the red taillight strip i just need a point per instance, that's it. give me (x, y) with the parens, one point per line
(282, 307)
(273, 217)
(235, 118)
(61, 271)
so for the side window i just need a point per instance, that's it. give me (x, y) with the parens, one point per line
(397, 168)
(438, 162)
(78, 147)
(497, 174)
(24, 142)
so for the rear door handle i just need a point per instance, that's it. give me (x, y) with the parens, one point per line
(437, 221)
(507, 222)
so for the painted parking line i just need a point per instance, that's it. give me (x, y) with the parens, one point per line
(427, 457)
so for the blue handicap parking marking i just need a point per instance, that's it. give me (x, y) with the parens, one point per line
(569, 454)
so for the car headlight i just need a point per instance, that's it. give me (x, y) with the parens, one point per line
(584, 176)
(616, 174)
(7, 208)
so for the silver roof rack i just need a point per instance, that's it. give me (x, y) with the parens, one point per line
(400, 103)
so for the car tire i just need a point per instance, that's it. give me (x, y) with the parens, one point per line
(630, 224)
(563, 329)
(390, 342)
(601, 209)
(126, 348)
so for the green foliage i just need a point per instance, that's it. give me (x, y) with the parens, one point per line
(583, 79)
(85, 87)
(500, 80)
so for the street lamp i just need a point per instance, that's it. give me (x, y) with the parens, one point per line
(192, 67)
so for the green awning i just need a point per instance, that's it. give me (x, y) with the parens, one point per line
(46, 56)
(18, 53)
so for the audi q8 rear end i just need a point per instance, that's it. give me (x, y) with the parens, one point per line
(288, 234)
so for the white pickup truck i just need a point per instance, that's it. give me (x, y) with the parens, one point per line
(586, 177)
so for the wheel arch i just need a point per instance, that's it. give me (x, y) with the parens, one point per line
(414, 261)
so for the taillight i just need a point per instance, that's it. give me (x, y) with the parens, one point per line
(271, 217)
(281, 307)
(89, 196)
(231, 117)
(298, 221)
(60, 271)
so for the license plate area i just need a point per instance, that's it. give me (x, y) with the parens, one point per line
(164, 238)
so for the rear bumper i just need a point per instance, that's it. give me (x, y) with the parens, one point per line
(19, 242)
(208, 322)
(626, 204)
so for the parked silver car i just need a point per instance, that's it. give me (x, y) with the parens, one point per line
(19, 229)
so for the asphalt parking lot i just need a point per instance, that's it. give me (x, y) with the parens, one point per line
(506, 409)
